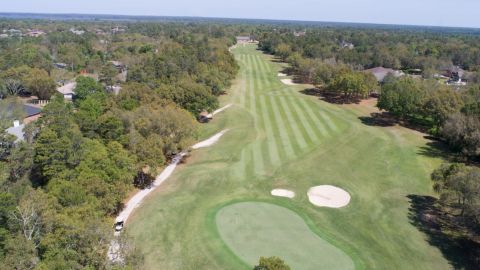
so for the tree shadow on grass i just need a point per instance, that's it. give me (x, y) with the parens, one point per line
(381, 119)
(330, 97)
(445, 231)
(436, 148)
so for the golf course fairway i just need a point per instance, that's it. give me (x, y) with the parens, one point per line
(280, 138)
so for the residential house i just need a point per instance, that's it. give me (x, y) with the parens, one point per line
(121, 67)
(67, 90)
(13, 32)
(456, 75)
(77, 32)
(380, 73)
(117, 29)
(35, 33)
(244, 39)
(31, 114)
(60, 65)
(347, 45)
(299, 33)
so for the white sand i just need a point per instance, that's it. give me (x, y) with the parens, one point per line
(288, 82)
(328, 196)
(283, 193)
(212, 140)
(219, 110)
(282, 74)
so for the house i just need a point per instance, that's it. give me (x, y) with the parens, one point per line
(114, 89)
(121, 67)
(35, 33)
(244, 39)
(347, 45)
(60, 65)
(299, 33)
(77, 32)
(31, 114)
(118, 30)
(380, 73)
(454, 72)
(13, 32)
(67, 90)
(17, 131)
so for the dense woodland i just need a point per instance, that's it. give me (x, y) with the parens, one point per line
(61, 187)
(334, 61)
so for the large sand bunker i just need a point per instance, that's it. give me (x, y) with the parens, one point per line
(283, 193)
(328, 196)
(288, 82)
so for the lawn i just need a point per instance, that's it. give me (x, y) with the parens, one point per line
(280, 138)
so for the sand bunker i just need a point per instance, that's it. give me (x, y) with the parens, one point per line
(210, 141)
(283, 193)
(328, 196)
(219, 110)
(288, 82)
(282, 74)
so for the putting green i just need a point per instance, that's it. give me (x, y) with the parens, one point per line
(254, 229)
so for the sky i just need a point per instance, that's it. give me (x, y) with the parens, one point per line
(464, 13)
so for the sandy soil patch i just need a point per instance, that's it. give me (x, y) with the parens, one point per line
(280, 74)
(283, 193)
(219, 110)
(288, 82)
(210, 141)
(328, 196)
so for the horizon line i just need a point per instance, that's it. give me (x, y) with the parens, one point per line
(232, 18)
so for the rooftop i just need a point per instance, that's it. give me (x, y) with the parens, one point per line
(67, 89)
(380, 72)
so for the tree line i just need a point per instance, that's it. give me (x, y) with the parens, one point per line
(61, 187)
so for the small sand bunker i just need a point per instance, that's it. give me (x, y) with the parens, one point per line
(283, 193)
(280, 74)
(219, 110)
(210, 141)
(328, 196)
(288, 82)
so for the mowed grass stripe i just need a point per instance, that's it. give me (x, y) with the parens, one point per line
(258, 162)
(313, 132)
(271, 140)
(299, 142)
(294, 133)
(285, 115)
(275, 127)
(284, 135)
(240, 95)
(321, 126)
(276, 147)
(299, 129)
(297, 116)
(256, 158)
(328, 120)
(247, 78)
(266, 144)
